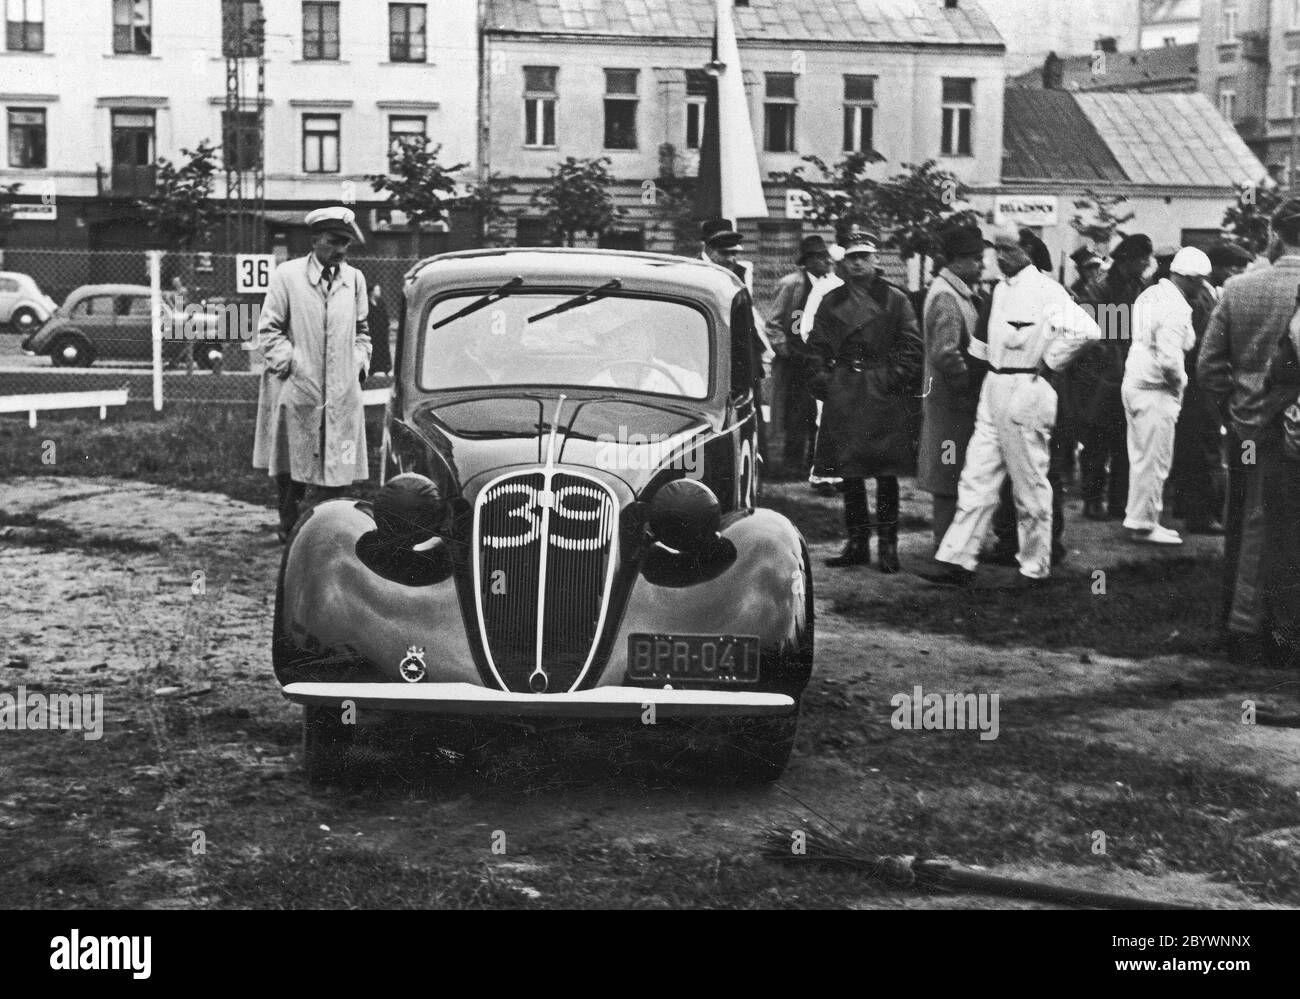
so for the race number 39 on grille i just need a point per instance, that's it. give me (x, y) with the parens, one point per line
(569, 505)
(253, 272)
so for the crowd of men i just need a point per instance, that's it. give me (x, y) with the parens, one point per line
(1131, 385)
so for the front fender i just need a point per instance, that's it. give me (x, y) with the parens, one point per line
(766, 591)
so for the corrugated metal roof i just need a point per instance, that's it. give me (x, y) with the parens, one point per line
(1045, 136)
(926, 22)
(1171, 139)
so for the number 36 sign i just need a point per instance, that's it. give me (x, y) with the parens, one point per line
(253, 272)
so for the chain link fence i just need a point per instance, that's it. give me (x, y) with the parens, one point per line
(93, 332)
(78, 321)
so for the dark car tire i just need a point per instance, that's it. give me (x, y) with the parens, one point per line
(325, 743)
(24, 320)
(83, 358)
(758, 749)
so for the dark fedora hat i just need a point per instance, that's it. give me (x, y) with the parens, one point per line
(811, 246)
(1133, 247)
(719, 233)
(1037, 250)
(1225, 254)
(1084, 257)
(963, 241)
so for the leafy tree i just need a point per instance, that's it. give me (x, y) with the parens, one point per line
(909, 209)
(417, 183)
(1098, 219)
(181, 211)
(1247, 220)
(578, 199)
(487, 200)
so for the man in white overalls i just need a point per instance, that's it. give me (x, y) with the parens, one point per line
(1034, 329)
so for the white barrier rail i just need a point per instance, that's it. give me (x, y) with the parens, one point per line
(32, 404)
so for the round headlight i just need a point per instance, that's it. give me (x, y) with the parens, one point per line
(410, 508)
(684, 515)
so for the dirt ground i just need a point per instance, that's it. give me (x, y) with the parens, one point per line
(99, 594)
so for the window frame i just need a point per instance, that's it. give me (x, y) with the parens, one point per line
(249, 46)
(322, 39)
(859, 108)
(1230, 23)
(539, 105)
(622, 99)
(695, 104)
(337, 133)
(953, 113)
(126, 35)
(788, 106)
(30, 34)
(249, 154)
(40, 129)
(407, 9)
(394, 137)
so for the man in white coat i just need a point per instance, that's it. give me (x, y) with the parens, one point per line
(311, 427)
(1034, 330)
(1155, 377)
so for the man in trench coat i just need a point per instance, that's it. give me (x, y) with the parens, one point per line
(311, 427)
(950, 387)
(865, 356)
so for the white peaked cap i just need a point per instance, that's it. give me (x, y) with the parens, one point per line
(336, 219)
(1190, 262)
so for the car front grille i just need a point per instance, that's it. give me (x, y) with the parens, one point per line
(544, 551)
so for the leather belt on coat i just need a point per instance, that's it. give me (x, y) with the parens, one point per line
(858, 363)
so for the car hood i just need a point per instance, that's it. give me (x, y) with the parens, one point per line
(626, 439)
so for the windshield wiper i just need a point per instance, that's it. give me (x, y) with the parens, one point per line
(495, 295)
(573, 303)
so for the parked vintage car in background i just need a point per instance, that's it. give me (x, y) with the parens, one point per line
(113, 322)
(567, 525)
(23, 306)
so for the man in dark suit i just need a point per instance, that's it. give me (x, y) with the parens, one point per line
(1243, 368)
(793, 426)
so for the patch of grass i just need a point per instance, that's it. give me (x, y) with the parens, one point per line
(1149, 608)
(203, 448)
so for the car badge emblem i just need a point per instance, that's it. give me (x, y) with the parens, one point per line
(412, 667)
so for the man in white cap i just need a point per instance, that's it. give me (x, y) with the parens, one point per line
(1034, 330)
(311, 427)
(1154, 379)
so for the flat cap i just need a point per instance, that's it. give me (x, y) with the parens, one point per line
(1225, 254)
(1190, 262)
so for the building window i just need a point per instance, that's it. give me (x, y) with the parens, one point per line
(1293, 91)
(406, 130)
(320, 31)
(958, 107)
(25, 25)
(241, 140)
(539, 105)
(1229, 24)
(620, 108)
(1169, 41)
(1227, 96)
(697, 95)
(320, 143)
(26, 137)
(859, 113)
(1295, 13)
(778, 113)
(132, 27)
(406, 41)
(133, 152)
(533, 231)
(242, 28)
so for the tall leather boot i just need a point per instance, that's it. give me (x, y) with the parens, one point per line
(887, 523)
(857, 521)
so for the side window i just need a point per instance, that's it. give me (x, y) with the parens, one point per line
(8, 286)
(138, 305)
(95, 307)
(742, 340)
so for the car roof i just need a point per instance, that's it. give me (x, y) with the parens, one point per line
(659, 272)
(17, 275)
(110, 289)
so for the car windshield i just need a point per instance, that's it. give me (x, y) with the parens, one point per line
(618, 341)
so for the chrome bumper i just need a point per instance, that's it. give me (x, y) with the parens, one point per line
(602, 702)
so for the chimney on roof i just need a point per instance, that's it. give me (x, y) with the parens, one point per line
(1106, 44)
(1053, 72)
(950, 4)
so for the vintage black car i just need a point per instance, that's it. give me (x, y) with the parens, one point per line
(567, 526)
